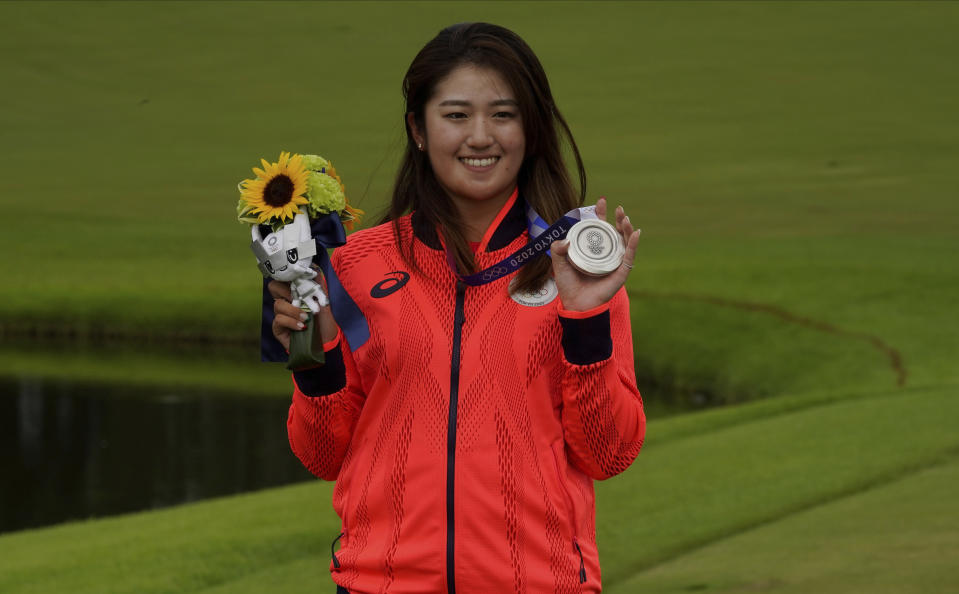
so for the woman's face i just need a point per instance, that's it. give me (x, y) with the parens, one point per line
(474, 136)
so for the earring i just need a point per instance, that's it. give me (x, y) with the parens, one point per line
(420, 146)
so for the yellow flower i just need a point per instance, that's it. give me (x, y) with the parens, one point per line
(351, 215)
(278, 190)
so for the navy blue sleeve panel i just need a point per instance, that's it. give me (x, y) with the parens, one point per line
(587, 340)
(326, 379)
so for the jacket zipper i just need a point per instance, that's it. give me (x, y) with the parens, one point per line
(459, 316)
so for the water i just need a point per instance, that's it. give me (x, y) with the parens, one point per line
(74, 451)
(70, 450)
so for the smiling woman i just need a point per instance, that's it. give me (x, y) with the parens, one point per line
(473, 134)
(466, 432)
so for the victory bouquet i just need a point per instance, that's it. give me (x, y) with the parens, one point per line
(296, 208)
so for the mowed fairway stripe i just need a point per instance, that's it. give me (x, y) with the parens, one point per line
(690, 492)
(899, 538)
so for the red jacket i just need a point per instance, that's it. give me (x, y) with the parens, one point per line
(465, 434)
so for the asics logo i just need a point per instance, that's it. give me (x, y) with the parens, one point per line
(390, 285)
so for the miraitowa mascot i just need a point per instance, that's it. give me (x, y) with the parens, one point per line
(296, 209)
(286, 255)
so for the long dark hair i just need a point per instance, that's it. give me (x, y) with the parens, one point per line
(543, 179)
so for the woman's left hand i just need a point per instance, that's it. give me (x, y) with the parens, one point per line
(581, 292)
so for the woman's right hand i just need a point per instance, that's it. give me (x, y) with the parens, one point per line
(288, 318)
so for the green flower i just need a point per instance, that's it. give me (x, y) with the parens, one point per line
(314, 162)
(325, 195)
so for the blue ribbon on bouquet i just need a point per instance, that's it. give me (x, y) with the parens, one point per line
(543, 233)
(328, 232)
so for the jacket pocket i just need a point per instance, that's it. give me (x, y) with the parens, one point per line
(334, 560)
(561, 478)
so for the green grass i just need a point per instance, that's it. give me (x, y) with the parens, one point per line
(792, 166)
(233, 369)
(186, 549)
(844, 545)
(707, 486)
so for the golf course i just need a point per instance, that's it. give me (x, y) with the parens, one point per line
(794, 299)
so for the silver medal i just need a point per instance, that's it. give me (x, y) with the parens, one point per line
(595, 247)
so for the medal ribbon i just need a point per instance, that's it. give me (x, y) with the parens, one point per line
(544, 236)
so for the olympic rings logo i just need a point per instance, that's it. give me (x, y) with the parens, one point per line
(494, 273)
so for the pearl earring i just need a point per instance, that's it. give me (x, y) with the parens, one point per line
(420, 146)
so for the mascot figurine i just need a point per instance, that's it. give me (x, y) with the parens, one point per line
(296, 209)
(285, 255)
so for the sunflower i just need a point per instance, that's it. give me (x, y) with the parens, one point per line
(277, 192)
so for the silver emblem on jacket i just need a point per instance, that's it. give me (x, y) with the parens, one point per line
(536, 298)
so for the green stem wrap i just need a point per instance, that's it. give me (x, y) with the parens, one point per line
(306, 346)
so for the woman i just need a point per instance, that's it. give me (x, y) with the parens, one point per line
(465, 433)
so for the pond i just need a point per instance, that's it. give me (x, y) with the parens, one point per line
(75, 451)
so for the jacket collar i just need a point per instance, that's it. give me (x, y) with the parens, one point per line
(509, 224)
